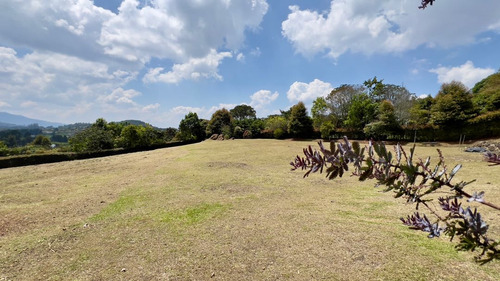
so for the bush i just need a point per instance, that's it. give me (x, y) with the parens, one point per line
(279, 133)
(42, 141)
(4, 150)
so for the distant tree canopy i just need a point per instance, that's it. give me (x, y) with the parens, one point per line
(41, 140)
(102, 135)
(243, 111)
(19, 137)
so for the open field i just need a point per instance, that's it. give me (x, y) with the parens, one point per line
(228, 210)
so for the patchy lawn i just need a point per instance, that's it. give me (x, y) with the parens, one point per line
(228, 210)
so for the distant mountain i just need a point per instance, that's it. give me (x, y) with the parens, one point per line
(8, 120)
(134, 122)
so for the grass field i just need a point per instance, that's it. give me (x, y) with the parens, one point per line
(228, 210)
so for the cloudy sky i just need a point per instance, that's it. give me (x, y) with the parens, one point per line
(155, 60)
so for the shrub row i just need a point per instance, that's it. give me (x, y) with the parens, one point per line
(26, 160)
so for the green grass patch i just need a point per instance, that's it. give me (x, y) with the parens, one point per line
(124, 203)
(190, 216)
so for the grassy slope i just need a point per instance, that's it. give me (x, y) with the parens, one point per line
(229, 210)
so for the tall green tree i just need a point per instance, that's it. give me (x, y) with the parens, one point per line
(363, 110)
(319, 112)
(420, 113)
(221, 121)
(453, 106)
(300, 124)
(190, 128)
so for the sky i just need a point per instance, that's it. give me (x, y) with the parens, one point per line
(71, 61)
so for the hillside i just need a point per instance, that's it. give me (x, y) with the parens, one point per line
(8, 120)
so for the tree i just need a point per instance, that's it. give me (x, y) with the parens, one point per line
(4, 150)
(190, 128)
(94, 138)
(130, 137)
(276, 122)
(169, 134)
(221, 119)
(243, 111)
(339, 102)
(319, 112)
(401, 99)
(453, 106)
(420, 113)
(386, 123)
(362, 111)
(486, 94)
(375, 88)
(41, 140)
(326, 129)
(299, 125)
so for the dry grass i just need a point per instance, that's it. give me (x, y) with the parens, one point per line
(228, 210)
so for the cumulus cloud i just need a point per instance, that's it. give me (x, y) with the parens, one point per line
(262, 98)
(194, 69)
(179, 30)
(465, 73)
(183, 110)
(120, 95)
(369, 27)
(73, 54)
(300, 91)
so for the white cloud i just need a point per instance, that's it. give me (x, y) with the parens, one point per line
(121, 96)
(262, 98)
(256, 52)
(183, 110)
(466, 73)
(151, 107)
(369, 27)
(75, 54)
(4, 104)
(300, 91)
(214, 108)
(179, 30)
(240, 57)
(194, 69)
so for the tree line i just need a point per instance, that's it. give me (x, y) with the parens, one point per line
(371, 110)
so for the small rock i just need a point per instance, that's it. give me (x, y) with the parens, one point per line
(123, 270)
(213, 275)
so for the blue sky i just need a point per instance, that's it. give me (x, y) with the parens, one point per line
(77, 60)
